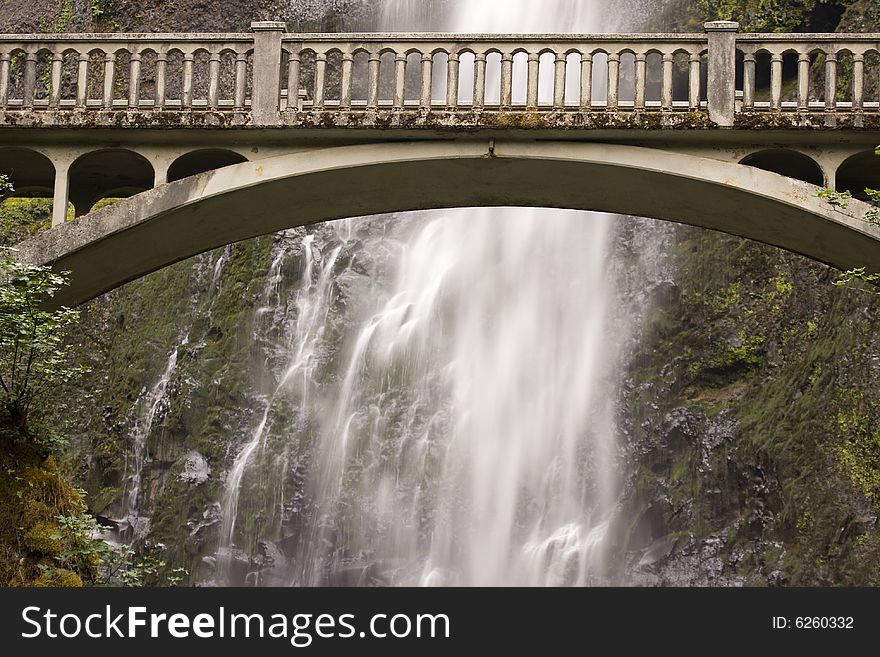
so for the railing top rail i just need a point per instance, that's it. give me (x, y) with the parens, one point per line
(497, 38)
(436, 36)
(345, 37)
(125, 37)
(824, 37)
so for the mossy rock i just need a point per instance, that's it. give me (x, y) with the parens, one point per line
(59, 577)
(43, 538)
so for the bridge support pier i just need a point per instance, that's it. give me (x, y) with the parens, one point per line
(59, 197)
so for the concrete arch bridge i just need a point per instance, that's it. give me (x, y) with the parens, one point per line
(221, 137)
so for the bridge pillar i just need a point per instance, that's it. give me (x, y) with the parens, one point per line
(721, 84)
(59, 196)
(265, 105)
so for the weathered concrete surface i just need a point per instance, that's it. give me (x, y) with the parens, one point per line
(721, 78)
(151, 230)
(455, 120)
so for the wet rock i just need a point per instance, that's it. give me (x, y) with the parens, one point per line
(658, 551)
(210, 517)
(698, 562)
(195, 469)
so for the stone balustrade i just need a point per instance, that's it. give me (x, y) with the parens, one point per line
(126, 71)
(480, 72)
(849, 64)
(271, 77)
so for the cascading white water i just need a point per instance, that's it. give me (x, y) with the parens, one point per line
(151, 407)
(312, 305)
(467, 436)
(153, 402)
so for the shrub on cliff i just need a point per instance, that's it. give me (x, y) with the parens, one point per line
(33, 357)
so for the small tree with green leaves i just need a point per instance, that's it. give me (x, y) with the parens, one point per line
(33, 356)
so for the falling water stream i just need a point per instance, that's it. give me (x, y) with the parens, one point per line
(462, 430)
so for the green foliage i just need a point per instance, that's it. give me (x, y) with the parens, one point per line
(858, 274)
(65, 15)
(725, 300)
(81, 548)
(99, 563)
(747, 355)
(22, 217)
(783, 285)
(859, 454)
(834, 198)
(123, 566)
(33, 358)
(768, 15)
(147, 570)
(873, 214)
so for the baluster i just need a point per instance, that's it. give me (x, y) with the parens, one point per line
(4, 78)
(830, 82)
(776, 81)
(559, 82)
(109, 79)
(134, 80)
(803, 82)
(82, 80)
(320, 78)
(186, 95)
(214, 80)
(532, 89)
(293, 73)
(613, 80)
(55, 97)
(748, 81)
(506, 80)
(452, 68)
(345, 90)
(161, 67)
(666, 98)
(479, 81)
(427, 70)
(241, 81)
(586, 82)
(641, 82)
(858, 82)
(694, 82)
(400, 81)
(373, 81)
(30, 79)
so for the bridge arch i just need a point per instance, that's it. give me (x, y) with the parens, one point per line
(29, 171)
(200, 161)
(858, 172)
(109, 172)
(177, 220)
(787, 162)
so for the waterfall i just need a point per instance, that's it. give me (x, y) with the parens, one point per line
(153, 403)
(460, 430)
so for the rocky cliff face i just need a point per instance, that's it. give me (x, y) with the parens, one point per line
(750, 406)
(752, 403)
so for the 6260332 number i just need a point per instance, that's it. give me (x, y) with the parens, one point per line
(824, 622)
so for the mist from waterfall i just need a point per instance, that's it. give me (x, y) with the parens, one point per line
(461, 431)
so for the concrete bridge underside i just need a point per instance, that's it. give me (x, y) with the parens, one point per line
(174, 221)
